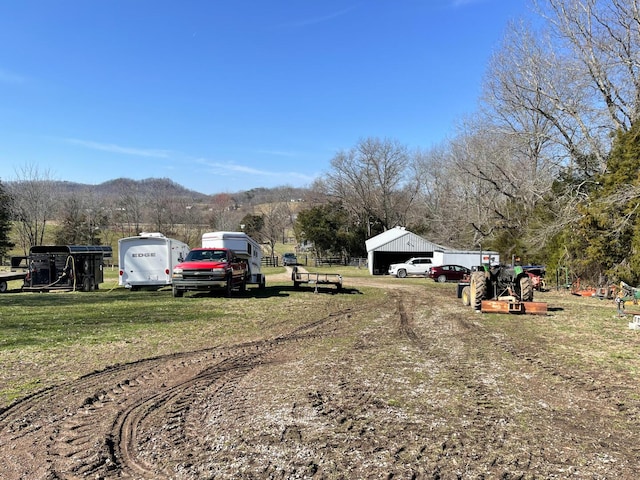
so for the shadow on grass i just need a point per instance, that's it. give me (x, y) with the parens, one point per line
(275, 291)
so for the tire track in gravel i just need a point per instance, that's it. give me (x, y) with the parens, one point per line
(415, 387)
(140, 420)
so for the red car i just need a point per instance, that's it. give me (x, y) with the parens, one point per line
(448, 273)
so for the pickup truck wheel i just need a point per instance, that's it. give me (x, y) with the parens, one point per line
(177, 293)
(229, 286)
(402, 273)
(243, 285)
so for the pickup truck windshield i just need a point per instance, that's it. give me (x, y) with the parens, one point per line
(207, 255)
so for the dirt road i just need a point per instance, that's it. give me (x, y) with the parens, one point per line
(417, 388)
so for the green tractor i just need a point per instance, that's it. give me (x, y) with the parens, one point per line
(501, 283)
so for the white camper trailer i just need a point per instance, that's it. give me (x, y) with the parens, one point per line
(243, 246)
(148, 260)
(465, 258)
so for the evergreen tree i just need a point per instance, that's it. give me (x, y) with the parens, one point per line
(5, 221)
(605, 242)
(330, 230)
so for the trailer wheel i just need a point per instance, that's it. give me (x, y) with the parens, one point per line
(402, 273)
(263, 283)
(3, 287)
(86, 284)
(466, 296)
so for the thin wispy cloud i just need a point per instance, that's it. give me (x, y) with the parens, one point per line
(278, 153)
(464, 3)
(320, 19)
(113, 148)
(230, 168)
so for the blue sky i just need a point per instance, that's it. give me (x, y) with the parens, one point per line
(223, 96)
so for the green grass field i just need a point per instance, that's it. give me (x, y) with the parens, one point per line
(47, 338)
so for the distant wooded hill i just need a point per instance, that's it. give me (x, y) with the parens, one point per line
(116, 187)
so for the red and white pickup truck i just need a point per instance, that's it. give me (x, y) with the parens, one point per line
(210, 269)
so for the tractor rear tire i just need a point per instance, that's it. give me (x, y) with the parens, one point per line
(526, 289)
(478, 289)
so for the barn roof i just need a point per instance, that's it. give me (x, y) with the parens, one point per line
(399, 239)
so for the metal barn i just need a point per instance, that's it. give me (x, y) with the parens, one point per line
(395, 246)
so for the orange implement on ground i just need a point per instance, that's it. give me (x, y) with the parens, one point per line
(504, 306)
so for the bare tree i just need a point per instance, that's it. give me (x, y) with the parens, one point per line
(605, 39)
(224, 212)
(158, 204)
(445, 199)
(34, 200)
(542, 93)
(82, 219)
(374, 181)
(128, 208)
(276, 218)
(192, 225)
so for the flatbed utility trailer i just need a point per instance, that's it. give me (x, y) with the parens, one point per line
(8, 277)
(316, 279)
(19, 270)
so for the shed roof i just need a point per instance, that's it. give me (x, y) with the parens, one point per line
(399, 239)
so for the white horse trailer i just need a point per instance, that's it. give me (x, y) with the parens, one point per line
(243, 246)
(148, 260)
